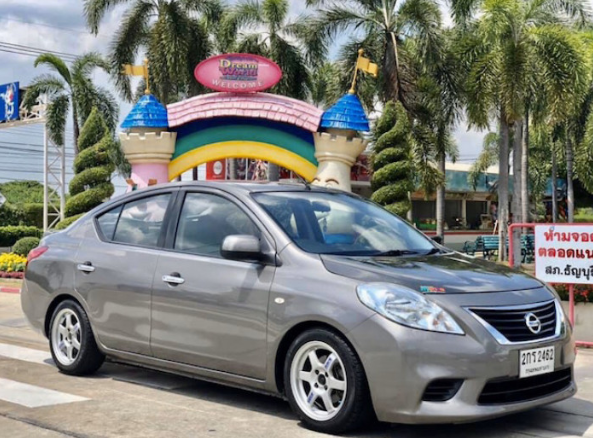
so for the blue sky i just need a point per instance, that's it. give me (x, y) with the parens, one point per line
(58, 25)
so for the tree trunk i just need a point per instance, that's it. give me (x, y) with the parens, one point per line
(273, 172)
(517, 191)
(524, 173)
(391, 68)
(440, 201)
(75, 128)
(569, 181)
(554, 187)
(503, 187)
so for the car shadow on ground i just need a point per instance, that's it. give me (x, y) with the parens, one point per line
(572, 417)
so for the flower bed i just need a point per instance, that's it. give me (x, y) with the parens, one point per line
(12, 265)
(583, 293)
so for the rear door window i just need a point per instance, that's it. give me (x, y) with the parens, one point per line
(108, 221)
(141, 222)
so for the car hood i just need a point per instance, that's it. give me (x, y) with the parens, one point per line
(449, 273)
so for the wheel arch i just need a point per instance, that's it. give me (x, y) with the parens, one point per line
(52, 307)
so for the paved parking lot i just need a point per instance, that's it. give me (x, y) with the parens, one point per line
(37, 401)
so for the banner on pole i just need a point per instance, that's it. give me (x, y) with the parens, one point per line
(9, 102)
(564, 253)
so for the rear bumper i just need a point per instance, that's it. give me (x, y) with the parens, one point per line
(398, 376)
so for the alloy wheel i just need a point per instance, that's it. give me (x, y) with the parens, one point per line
(318, 380)
(66, 337)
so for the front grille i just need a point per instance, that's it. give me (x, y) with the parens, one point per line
(511, 322)
(441, 390)
(497, 392)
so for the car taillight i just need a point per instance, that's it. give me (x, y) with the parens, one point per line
(35, 253)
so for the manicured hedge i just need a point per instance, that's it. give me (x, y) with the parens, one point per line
(24, 245)
(393, 176)
(91, 184)
(11, 234)
(89, 199)
(21, 214)
(62, 225)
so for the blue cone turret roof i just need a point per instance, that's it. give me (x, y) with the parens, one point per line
(347, 113)
(147, 113)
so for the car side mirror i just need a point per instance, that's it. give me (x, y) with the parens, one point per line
(437, 239)
(242, 247)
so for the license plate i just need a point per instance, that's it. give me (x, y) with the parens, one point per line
(536, 361)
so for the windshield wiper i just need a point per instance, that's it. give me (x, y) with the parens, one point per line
(394, 253)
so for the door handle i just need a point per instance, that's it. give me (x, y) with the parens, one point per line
(174, 278)
(85, 267)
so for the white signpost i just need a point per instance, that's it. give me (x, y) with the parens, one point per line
(564, 253)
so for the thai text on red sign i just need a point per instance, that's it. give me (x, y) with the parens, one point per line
(564, 253)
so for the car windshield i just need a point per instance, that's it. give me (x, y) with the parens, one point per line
(336, 223)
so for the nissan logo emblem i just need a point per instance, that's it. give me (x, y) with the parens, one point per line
(533, 323)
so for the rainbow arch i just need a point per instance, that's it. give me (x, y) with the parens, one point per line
(258, 126)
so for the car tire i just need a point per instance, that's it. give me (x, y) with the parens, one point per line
(72, 343)
(336, 378)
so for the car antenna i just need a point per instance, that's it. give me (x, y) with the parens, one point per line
(305, 182)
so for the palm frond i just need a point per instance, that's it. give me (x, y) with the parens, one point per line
(274, 12)
(57, 113)
(488, 157)
(85, 64)
(131, 35)
(336, 19)
(55, 63)
(44, 84)
(95, 10)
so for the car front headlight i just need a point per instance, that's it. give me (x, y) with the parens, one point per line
(407, 307)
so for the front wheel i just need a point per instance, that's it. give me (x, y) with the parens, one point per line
(71, 340)
(325, 383)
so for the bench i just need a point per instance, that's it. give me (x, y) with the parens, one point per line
(488, 246)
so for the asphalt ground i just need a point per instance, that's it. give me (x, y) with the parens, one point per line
(121, 401)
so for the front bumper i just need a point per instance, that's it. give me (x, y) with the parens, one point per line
(398, 376)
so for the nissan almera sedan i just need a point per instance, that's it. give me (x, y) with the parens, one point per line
(315, 295)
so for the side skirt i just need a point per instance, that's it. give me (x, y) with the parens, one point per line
(191, 371)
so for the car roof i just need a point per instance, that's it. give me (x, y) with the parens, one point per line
(246, 187)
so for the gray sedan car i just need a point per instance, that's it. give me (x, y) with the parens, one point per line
(315, 295)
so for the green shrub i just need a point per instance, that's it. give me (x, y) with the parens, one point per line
(10, 215)
(22, 192)
(584, 215)
(11, 234)
(24, 245)
(62, 225)
(32, 214)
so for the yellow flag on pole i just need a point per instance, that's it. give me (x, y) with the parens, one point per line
(138, 70)
(367, 66)
(134, 70)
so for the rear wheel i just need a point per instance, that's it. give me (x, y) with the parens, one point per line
(71, 340)
(325, 383)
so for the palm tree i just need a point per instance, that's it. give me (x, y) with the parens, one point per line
(172, 34)
(516, 47)
(383, 29)
(71, 89)
(263, 28)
